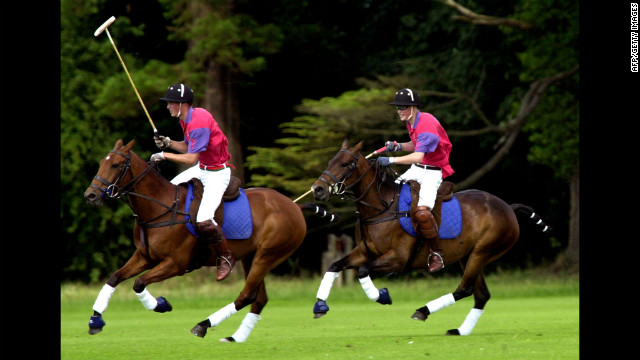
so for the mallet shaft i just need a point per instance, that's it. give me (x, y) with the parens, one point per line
(103, 28)
(131, 81)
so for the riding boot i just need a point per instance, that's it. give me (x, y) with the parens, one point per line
(213, 235)
(429, 230)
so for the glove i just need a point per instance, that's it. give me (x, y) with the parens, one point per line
(162, 142)
(384, 161)
(157, 157)
(393, 146)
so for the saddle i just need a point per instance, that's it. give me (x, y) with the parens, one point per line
(231, 193)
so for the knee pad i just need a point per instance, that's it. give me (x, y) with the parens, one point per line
(426, 222)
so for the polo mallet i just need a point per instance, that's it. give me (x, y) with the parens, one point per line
(381, 150)
(104, 27)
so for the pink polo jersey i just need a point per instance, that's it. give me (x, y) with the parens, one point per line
(203, 135)
(430, 138)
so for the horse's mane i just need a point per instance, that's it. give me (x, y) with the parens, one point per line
(155, 170)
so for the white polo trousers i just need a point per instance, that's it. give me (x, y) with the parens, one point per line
(214, 182)
(429, 181)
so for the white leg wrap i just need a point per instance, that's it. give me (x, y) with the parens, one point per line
(440, 303)
(222, 314)
(245, 328)
(470, 321)
(103, 298)
(367, 285)
(147, 299)
(326, 284)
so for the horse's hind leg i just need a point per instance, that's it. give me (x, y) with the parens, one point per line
(473, 270)
(253, 291)
(481, 295)
(251, 319)
(134, 266)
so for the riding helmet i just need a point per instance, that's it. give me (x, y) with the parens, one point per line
(406, 96)
(179, 93)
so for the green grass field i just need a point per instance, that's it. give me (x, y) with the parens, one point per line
(531, 315)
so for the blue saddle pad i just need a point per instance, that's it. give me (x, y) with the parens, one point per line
(237, 223)
(451, 225)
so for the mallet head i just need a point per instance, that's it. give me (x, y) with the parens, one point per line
(104, 26)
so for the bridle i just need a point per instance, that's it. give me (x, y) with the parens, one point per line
(113, 189)
(342, 190)
(339, 187)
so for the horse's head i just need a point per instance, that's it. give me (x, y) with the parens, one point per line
(114, 168)
(340, 174)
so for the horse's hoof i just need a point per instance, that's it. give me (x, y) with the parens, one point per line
(421, 314)
(227, 340)
(96, 324)
(384, 297)
(163, 305)
(94, 331)
(199, 331)
(320, 309)
(453, 332)
(318, 315)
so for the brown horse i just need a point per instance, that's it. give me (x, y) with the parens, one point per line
(489, 229)
(166, 247)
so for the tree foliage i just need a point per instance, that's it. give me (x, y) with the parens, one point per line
(554, 130)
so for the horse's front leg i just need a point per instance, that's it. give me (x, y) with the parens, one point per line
(354, 259)
(136, 264)
(386, 263)
(171, 266)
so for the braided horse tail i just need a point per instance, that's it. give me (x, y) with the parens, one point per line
(524, 209)
(333, 217)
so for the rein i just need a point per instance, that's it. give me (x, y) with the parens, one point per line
(114, 190)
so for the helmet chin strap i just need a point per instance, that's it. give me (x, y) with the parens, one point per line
(179, 110)
(181, 95)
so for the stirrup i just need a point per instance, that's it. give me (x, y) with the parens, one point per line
(429, 260)
(228, 262)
